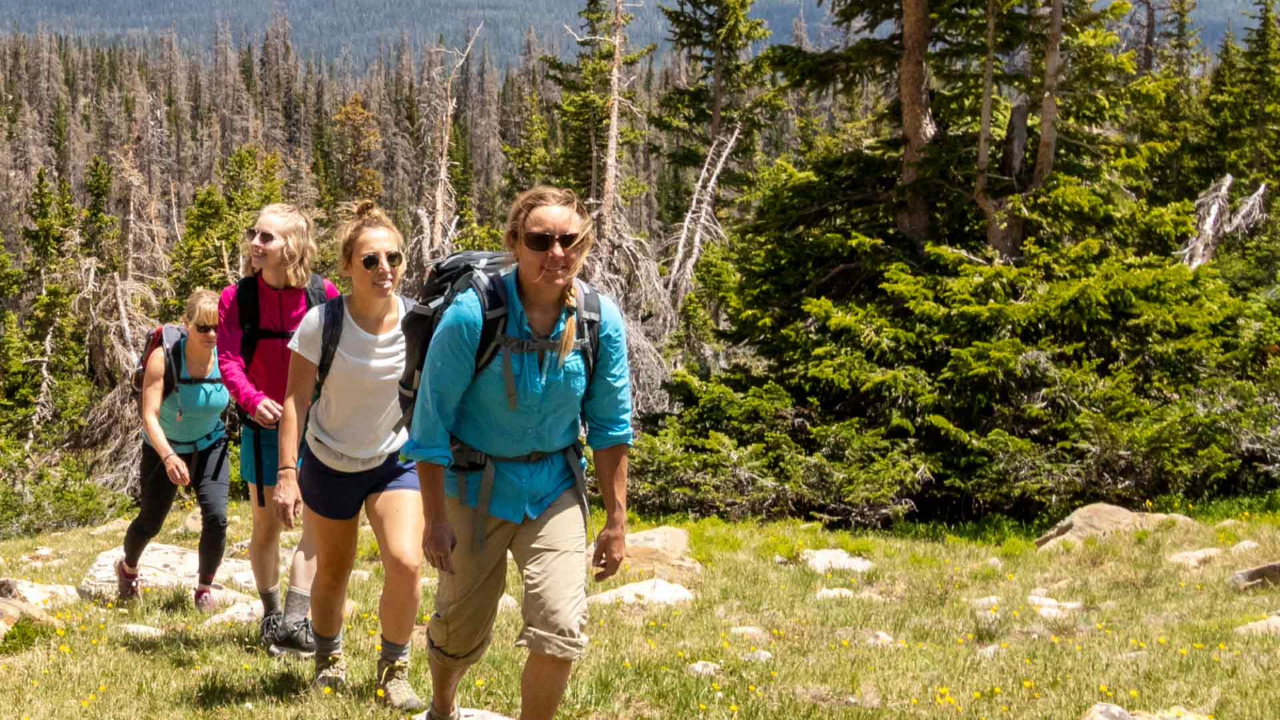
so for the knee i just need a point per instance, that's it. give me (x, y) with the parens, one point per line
(402, 566)
(146, 526)
(215, 521)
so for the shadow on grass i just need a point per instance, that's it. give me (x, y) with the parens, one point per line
(221, 689)
(180, 648)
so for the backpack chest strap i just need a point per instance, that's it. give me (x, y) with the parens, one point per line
(508, 345)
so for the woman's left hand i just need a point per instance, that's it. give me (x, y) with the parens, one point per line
(611, 546)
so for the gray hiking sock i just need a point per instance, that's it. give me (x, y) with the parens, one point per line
(296, 605)
(270, 600)
(328, 645)
(391, 652)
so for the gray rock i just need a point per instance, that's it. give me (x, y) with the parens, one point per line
(359, 576)
(1228, 525)
(703, 668)
(1261, 575)
(245, 612)
(758, 656)
(1107, 711)
(1100, 520)
(508, 604)
(193, 523)
(758, 634)
(1268, 627)
(141, 631)
(1194, 558)
(648, 592)
(469, 714)
(984, 603)
(163, 566)
(115, 527)
(1244, 546)
(835, 594)
(45, 597)
(824, 561)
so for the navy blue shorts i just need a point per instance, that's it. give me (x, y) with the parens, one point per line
(339, 495)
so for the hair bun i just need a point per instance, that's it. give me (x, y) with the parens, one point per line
(364, 209)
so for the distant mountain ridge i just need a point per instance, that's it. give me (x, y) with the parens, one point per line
(326, 27)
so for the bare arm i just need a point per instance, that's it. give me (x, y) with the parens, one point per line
(152, 397)
(438, 537)
(297, 402)
(611, 544)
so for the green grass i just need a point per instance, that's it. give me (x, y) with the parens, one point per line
(1146, 627)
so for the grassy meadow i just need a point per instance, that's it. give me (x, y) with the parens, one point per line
(1150, 635)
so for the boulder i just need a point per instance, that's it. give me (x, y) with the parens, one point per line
(1100, 520)
(985, 603)
(360, 576)
(648, 592)
(824, 561)
(141, 631)
(1261, 575)
(1228, 525)
(508, 604)
(1173, 713)
(115, 527)
(41, 596)
(1107, 711)
(163, 566)
(661, 552)
(835, 594)
(1244, 546)
(757, 656)
(1194, 558)
(1268, 627)
(880, 639)
(669, 539)
(469, 714)
(193, 523)
(244, 612)
(12, 610)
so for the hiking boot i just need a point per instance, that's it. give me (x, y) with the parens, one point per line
(292, 639)
(393, 688)
(127, 585)
(204, 600)
(268, 628)
(331, 674)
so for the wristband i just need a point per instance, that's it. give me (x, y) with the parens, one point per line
(166, 457)
(287, 467)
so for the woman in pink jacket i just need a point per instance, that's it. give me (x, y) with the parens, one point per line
(256, 319)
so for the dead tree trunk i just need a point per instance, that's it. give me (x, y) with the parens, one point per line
(1049, 104)
(918, 128)
(608, 195)
(1004, 233)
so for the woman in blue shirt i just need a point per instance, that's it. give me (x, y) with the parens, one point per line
(514, 427)
(184, 443)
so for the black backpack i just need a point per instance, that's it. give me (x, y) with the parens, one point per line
(481, 271)
(251, 316)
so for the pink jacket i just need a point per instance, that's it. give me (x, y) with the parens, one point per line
(278, 310)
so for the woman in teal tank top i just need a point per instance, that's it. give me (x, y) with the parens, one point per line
(184, 443)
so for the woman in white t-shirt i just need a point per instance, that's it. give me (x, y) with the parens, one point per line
(351, 456)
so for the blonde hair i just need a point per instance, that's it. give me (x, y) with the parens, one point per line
(299, 250)
(361, 216)
(547, 196)
(202, 308)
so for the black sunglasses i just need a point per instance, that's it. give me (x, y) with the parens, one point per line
(372, 260)
(251, 233)
(206, 329)
(541, 241)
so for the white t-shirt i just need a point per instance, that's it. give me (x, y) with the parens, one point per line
(352, 425)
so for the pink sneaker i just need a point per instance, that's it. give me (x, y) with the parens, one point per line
(204, 600)
(127, 584)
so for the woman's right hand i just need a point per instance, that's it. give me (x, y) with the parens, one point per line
(176, 469)
(438, 542)
(268, 413)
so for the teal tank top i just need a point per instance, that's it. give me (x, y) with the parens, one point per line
(191, 416)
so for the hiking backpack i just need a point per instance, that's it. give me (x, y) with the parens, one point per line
(481, 271)
(164, 338)
(251, 315)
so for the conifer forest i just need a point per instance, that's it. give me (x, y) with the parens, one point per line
(925, 259)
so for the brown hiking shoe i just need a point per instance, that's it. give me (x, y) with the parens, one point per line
(127, 585)
(331, 674)
(394, 689)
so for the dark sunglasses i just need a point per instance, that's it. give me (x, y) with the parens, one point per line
(206, 329)
(251, 233)
(541, 241)
(372, 260)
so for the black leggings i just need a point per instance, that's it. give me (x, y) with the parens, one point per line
(209, 478)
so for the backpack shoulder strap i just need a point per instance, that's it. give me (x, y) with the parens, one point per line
(330, 333)
(171, 337)
(491, 289)
(247, 306)
(316, 294)
(589, 324)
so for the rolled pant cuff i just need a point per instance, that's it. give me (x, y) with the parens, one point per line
(455, 662)
(560, 647)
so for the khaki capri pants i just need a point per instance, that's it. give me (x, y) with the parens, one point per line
(550, 551)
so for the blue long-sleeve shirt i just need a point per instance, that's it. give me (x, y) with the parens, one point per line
(550, 400)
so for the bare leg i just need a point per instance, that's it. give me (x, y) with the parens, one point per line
(396, 517)
(264, 543)
(542, 686)
(332, 558)
(302, 568)
(444, 687)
